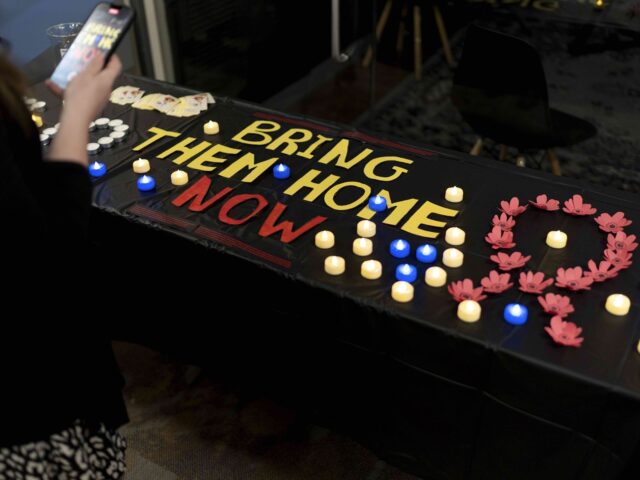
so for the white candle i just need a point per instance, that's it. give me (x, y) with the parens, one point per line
(334, 265)
(402, 291)
(469, 311)
(39, 106)
(121, 128)
(179, 177)
(102, 122)
(106, 142)
(362, 247)
(51, 131)
(618, 304)
(141, 165)
(92, 126)
(117, 136)
(452, 257)
(44, 139)
(115, 122)
(211, 127)
(366, 228)
(93, 148)
(371, 269)
(556, 239)
(325, 239)
(435, 276)
(454, 236)
(454, 194)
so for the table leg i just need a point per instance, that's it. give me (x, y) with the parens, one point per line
(477, 147)
(444, 39)
(403, 28)
(555, 163)
(504, 154)
(417, 40)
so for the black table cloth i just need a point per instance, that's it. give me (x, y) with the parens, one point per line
(434, 395)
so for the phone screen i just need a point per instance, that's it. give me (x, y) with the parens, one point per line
(101, 33)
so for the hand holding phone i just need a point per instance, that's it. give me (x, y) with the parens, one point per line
(100, 34)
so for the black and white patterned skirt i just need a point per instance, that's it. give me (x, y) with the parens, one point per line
(75, 453)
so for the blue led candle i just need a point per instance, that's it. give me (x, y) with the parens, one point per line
(97, 169)
(426, 253)
(400, 248)
(146, 183)
(377, 203)
(406, 272)
(515, 314)
(281, 171)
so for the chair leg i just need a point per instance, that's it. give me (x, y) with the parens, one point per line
(417, 41)
(477, 147)
(444, 39)
(382, 22)
(555, 163)
(403, 28)
(504, 153)
(521, 161)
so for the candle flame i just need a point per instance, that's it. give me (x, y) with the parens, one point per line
(516, 310)
(210, 123)
(406, 268)
(618, 300)
(400, 245)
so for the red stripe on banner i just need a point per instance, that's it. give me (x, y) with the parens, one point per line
(292, 121)
(141, 211)
(235, 243)
(386, 143)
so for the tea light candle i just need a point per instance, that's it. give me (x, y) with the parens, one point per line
(454, 195)
(105, 142)
(516, 314)
(362, 247)
(469, 311)
(179, 177)
(281, 171)
(618, 304)
(117, 136)
(402, 291)
(29, 101)
(452, 257)
(454, 236)
(141, 165)
(400, 248)
(121, 128)
(44, 139)
(211, 128)
(557, 239)
(406, 272)
(435, 276)
(39, 106)
(93, 148)
(366, 228)
(378, 203)
(325, 239)
(102, 122)
(371, 269)
(146, 183)
(97, 169)
(426, 253)
(115, 122)
(37, 119)
(92, 126)
(50, 131)
(57, 126)
(334, 265)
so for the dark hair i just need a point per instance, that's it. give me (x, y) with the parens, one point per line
(12, 90)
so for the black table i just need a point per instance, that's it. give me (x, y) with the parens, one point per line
(434, 395)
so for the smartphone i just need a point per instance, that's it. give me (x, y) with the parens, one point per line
(101, 32)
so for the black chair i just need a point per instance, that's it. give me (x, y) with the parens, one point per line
(501, 91)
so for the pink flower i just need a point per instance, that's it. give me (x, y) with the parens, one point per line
(504, 221)
(575, 206)
(499, 239)
(602, 272)
(496, 282)
(564, 333)
(573, 279)
(512, 207)
(543, 204)
(612, 223)
(556, 304)
(622, 241)
(531, 282)
(509, 262)
(618, 258)
(463, 290)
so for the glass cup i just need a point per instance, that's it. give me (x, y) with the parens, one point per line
(62, 35)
